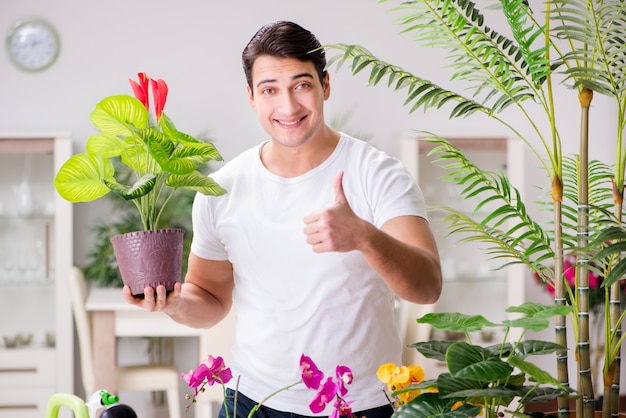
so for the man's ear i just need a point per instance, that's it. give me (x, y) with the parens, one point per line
(250, 98)
(326, 85)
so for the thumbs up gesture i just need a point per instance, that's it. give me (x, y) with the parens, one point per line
(336, 228)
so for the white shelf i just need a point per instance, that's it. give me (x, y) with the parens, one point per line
(35, 259)
(473, 284)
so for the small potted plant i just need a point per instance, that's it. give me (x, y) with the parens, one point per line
(479, 380)
(161, 159)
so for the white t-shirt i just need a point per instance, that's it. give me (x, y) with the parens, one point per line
(289, 300)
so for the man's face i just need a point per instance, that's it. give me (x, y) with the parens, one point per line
(288, 97)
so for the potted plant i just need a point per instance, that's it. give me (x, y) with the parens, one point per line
(162, 160)
(497, 378)
(581, 44)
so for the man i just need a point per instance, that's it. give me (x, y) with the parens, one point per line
(316, 234)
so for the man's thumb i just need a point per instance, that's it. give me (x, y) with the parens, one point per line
(340, 196)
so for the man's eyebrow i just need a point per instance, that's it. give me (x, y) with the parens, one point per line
(295, 77)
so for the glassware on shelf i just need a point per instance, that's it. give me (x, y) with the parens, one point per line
(24, 206)
(25, 252)
(22, 191)
(50, 339)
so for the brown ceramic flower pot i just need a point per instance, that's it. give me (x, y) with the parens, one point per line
(149, 258)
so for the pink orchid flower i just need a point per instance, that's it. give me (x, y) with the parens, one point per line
(311, 375)
(334, 390)
(341, 408)
(140, 89)
(325, 395)
(159, 94)
(211, 371)
(344, 377)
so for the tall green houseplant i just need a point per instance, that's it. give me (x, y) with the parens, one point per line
(582, 45)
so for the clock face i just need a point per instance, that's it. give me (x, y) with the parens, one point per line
(33, 45)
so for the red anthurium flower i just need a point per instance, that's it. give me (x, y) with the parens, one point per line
(344, 377)
(140, 89)
(311, 375)
(324, 396)
(159, 94)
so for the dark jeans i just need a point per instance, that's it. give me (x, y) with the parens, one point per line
(245, 404)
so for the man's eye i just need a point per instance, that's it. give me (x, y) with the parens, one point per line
(302, 86)
(267, 91)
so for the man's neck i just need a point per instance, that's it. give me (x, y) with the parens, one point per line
(292, 162)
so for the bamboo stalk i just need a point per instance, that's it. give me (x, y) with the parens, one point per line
(560, 299)
(611, 372)
(586, 405)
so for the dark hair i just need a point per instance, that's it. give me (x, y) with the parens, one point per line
(284, 40)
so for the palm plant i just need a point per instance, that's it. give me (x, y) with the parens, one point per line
(582, 43)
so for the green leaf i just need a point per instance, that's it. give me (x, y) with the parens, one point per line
(498, 395)
(617, 273)
(117, 115)
(200, 151)
(80, 178)
(538, 375)
(449, 386)
(431, 405)
(455, 321)
(106, 145)
(138, 158)
(545, 394)
(473, 362)
(536, 347)
(424, 384)
(140, 188)
(538, 310)
(195, 181)
(529, 323)
(433, 349)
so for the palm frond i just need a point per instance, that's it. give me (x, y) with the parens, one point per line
(508, 69)
(501, 244)
(421, 93)
(507, 229)
(613, 241)
(525, 33)
(599, 61)
(600, 198)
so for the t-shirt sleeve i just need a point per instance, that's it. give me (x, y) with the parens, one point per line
(205, 242)
(395, 192)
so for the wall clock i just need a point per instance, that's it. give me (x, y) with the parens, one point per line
(33, 44)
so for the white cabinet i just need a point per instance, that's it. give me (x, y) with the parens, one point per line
(36, 331)
(472, 284)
